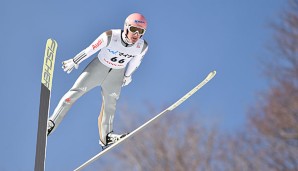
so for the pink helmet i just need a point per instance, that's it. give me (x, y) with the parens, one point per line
(134, 23)
(136, 19)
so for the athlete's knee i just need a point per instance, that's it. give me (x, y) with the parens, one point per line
(72, 96)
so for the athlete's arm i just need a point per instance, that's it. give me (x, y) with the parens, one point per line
(102, 41)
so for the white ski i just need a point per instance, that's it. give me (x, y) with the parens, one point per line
(45, 96)
(172, 107)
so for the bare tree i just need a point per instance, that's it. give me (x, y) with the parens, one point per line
(276, 114)
(274, 140)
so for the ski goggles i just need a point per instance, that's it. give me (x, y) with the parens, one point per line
(135, 29)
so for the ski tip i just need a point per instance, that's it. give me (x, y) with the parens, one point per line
(51, 39)
(211, 74)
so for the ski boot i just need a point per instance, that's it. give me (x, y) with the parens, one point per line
(111, 138)
(51, 126)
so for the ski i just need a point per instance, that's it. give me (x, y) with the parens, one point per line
(172, 107)
(45, 95)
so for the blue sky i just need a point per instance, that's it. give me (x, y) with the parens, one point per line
(187, 39)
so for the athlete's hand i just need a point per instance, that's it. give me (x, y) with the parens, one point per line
(126, 80)
(69, 65)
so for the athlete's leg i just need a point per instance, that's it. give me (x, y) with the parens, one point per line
(91, 77)
(111, 88)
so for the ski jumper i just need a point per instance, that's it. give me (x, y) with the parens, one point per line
(115, 60)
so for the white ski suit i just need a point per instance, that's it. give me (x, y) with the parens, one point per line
(106, 70)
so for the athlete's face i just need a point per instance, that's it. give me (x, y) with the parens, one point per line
(133, 37)
(135, 33)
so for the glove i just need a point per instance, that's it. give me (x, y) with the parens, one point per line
(126, 80)
(68, 65)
